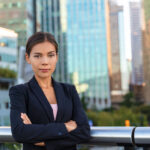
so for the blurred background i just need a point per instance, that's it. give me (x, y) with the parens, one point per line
(104, 50)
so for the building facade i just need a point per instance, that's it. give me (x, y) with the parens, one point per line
(137, 79)
(8, 59)
(146, 49)
(13, 16)
(120, 62)
(115, 84)
(136, 43)
(87, 48)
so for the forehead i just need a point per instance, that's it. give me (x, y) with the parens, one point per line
(43, 47)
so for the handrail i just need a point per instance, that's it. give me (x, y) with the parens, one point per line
(102, 135)
(5, 134)
(112, 135)
(142, 136)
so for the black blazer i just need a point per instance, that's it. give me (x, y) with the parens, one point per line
(30, 99)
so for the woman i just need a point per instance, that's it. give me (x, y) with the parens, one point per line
(45, 114)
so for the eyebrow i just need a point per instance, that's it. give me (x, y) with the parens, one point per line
(41, 53)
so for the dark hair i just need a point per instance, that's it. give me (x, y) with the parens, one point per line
(40, 37)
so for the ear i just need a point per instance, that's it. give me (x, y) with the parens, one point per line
(27, 58)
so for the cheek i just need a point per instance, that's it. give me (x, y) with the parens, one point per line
(34, 66)
(54, 65)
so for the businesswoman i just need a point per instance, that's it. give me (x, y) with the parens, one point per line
(46, 114)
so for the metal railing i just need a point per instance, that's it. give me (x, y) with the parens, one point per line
(135, 136)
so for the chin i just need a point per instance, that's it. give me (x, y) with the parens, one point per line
(44, 75)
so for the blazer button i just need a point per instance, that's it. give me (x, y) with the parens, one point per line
(59, 133)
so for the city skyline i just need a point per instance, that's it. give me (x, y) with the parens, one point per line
(100, 53)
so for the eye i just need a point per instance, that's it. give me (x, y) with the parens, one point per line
(51, 55)
(37, 56)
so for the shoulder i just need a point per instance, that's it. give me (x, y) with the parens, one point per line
(68, 88)
(66, 85)
(19, 88)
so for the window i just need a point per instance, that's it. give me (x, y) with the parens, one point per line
(6, 105)
(1, 5)
(5, 5)
(14, 4)
(9, 5)
(19, 4)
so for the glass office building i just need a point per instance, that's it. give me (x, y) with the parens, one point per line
(80, 29)
(87, 48)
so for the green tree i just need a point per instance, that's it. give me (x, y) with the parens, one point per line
(128, 100)
(7, 73)
(118, 117)
(13, 146)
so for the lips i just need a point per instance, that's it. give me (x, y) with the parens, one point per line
(44, 70)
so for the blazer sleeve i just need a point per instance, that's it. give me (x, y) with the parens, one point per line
(30, 133)
(82, 132)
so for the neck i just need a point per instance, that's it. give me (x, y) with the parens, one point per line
(44, 83)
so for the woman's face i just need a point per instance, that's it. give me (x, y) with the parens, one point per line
(43, 59)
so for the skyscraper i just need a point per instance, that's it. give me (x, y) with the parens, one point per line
(115, 78)
(87, 48)
(137, 79)
(119, 78)
(130, 46)
(146, 49)
(136, 43)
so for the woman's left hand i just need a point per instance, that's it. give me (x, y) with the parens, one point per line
(26, 120)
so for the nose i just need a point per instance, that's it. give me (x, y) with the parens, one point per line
(45, 60)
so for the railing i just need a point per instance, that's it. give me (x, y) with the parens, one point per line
(134, 136)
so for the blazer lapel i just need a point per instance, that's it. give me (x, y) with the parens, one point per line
(41, 98)
(59, 93)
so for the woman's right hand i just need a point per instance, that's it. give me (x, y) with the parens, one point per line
(71, 125)
(26, 120)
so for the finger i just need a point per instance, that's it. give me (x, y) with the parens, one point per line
(23, 118)
(25, 122)
(71, 122)
(40, 144)
(27, 118)
(22, 114)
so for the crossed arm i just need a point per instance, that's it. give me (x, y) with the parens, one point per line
(70, 125)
